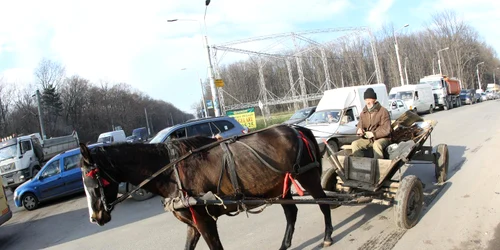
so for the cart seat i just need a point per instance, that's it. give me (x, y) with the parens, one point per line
(368, 153)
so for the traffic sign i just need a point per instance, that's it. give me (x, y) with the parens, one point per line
(219, 83)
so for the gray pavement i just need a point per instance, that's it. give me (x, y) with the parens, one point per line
(461, 214)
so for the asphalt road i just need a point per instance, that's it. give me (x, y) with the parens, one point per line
(461, 214)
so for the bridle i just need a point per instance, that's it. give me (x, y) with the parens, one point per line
(95, 173)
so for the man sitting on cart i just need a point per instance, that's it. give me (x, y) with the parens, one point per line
(374, 126)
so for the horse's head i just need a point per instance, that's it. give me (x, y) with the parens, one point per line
(100, 187)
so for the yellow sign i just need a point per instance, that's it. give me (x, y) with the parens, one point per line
(245, 117)
(219, 83)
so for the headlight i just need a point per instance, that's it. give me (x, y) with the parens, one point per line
(8, 167)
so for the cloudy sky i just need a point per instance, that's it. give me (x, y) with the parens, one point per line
(124, 41)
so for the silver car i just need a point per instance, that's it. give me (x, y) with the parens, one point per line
(223, 126)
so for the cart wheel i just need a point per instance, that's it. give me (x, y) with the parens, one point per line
(409, 202)
(441, 161)
(328, 183)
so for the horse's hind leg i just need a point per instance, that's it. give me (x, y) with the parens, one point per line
(291, 218)
(311, 181)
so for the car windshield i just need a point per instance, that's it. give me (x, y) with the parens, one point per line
(404, 95)
(434, 84)
(325, 116)
(159, 137)
(8, 152)
(301, 114)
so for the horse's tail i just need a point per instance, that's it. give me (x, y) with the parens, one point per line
(309, 134)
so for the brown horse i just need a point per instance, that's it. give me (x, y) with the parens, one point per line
(261, 161)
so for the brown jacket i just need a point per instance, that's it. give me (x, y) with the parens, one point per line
(378, 121)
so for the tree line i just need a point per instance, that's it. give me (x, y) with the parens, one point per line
(350, 62)
(73, 103)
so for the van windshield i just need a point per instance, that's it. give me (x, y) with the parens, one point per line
(404, 95)
(8, 152)
(325, 116)
(106, 139)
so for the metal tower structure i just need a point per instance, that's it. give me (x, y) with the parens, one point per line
(267, 98)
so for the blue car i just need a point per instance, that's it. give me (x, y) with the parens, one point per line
(59, 177)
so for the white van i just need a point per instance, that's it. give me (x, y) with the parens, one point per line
(338, 113)
(113, 136)
(418, 97)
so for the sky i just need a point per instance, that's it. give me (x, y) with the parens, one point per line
(132, 42)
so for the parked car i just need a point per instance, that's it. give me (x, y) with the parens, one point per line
(223, 125)
(397, 107)
(141, 134)
(478, 98)
(301, 115)
(468, 96)
(484, 97)
(60, 176)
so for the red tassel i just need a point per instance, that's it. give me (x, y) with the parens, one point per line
(297, 187)
(92, 174)
(192, 216)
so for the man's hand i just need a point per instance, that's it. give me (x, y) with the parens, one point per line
(360, 132)
(369, 135)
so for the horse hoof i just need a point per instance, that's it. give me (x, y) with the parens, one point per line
(327, 243)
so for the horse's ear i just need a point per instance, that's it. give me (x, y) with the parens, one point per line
(84, 150)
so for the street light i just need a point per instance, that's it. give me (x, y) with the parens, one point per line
(397, 54)
(406, 71)
(205, 111)
(477, 72)
(215, 95)
(439, 59)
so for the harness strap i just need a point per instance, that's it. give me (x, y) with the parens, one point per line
(260, 158)
(229, 164)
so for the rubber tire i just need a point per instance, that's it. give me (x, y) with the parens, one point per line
(431, 110)
(141, 194)
(446, 106)
(442, 163)
(34, 199)
(328, 183)
(333, 144)
(408, 184)
(35, 171)
(415, 111)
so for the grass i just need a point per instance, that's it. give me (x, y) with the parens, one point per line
(275, 119)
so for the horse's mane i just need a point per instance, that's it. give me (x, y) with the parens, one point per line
(191, 143)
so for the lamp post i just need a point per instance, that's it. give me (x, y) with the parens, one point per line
(397, 54)
(215, 95)
(205, 112)
(439, 59)
(495, 69)
(477, 72)
(40, 117)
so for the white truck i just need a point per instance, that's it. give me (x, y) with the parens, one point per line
(21, 157)
(446, 90)
(417, 97)
(338, 111)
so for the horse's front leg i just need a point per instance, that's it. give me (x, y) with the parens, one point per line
(291, 217)
(193, 236)
(207, 227)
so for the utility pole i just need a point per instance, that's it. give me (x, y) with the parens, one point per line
(406, 72)
(477, 72)
(147, 121)
(40, 118)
